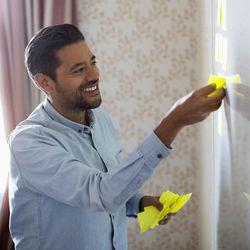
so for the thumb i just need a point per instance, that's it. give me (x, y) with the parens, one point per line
(157, 203)
(206, 90)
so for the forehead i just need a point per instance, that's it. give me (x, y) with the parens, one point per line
(74, 53)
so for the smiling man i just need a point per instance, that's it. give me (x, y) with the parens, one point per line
(70, 187)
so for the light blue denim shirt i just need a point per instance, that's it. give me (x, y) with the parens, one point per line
(70, 188)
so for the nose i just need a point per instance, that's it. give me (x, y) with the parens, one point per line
(92, 73)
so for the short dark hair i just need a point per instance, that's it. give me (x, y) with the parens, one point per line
(40, 53)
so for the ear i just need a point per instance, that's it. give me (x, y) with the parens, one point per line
(44, 82)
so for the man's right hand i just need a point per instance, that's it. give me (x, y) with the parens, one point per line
(188, 110)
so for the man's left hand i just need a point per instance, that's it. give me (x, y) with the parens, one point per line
(154, 201)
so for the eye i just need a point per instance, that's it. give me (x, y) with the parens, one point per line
(94, 63)
(79, 70)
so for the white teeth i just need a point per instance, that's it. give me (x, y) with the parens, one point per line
(90, 89)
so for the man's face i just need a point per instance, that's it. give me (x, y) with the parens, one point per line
(76, 87)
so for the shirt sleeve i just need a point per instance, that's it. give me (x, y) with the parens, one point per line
(40, 163)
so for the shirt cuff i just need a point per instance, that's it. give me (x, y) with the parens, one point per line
(133, 205)
(154, 150)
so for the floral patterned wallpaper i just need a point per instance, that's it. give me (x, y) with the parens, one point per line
(147, 52)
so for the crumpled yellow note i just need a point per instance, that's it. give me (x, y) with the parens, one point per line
(171, 202)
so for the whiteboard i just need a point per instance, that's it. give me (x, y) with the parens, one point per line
(232, 147)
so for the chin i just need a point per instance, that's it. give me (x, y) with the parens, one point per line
(93, 105)
(97, 105)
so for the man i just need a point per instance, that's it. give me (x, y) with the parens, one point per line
(70, 188)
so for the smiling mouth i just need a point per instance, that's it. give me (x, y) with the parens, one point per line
(90, 89)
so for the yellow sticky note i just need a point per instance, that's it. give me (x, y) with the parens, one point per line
(171, 202)
(219, 13)
(219, 81)
(225, 55)
(220, 48)
(224, 15)
(146, 221)
(233, 79)
(168, 199)
(181, 201)
(247, 195)
(217, 47)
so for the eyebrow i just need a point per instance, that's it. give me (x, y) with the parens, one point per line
(81, 63)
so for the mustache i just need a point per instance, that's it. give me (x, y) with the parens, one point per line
(85, 85)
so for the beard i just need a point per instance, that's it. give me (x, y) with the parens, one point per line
(76, 101)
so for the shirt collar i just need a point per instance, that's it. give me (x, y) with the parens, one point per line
(61, 119)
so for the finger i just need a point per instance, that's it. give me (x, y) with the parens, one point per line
(206, 90)
(158, 205)
(156, 202)
(167, 218)
(171, 214)
(214, 107)
(164, 221)
(217, 98)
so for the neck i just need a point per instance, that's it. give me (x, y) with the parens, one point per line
(78, 116)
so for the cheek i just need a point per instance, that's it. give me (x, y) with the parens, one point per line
(96, 70)
(66, 88)
(73, 83)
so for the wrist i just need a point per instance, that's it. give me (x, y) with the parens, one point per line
(141, 205)
(168, 129)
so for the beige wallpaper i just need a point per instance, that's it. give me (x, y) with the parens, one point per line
(148, 55)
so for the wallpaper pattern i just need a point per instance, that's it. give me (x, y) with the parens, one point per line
(147, 55)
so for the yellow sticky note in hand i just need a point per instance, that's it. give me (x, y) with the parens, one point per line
(219, 81)
(171, 202)
(147, 218)
(181, 201)
(168, 199)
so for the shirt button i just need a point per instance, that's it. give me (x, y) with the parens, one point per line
(79, 131)
(159, 156)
